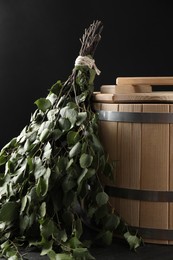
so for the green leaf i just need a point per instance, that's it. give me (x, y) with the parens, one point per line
(74, 242)
(92, 76)
(75, 150)
(80, 77)
(56, 87)
(43, 104)
(69, 113)
(112, 222)
(43, 209)
(82, 176)
(3, 159)
(82, 253)
(45, 133)
(91, 211)
(33, 194)
(45, 125)
(64, 124)
(68, 183)
(39, 171)
(61, 256)
(97, 144)
(57, 133)
(132, 240)
(72, 105)
(27, 145)
(82, 116)
(9, 211)
(47, 174)
(84, 147)
(81, 98)
(85, 175)
(3, 189)
(47, 247)
(72, 116)
(9, 251)
(5, 245)
(61, 235)
(13, 257)
(20, 172)
(61, 164)
(47, 151)
(102, 198)
(108, 170)
(69, 164)
(37, 116)
(24, 201)
(41, 188)
(24, 223)
(72, 138)
(63, 111)
(48, 228)
(85, 160)
(52, 97)
(11, 144)
(52, 114)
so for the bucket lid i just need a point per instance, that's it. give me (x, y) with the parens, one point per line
(136, 90)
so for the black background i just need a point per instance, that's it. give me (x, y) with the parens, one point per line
(39, 42)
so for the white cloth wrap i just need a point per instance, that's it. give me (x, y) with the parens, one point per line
(87, 61)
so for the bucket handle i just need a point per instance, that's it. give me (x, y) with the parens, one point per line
(145, 81)
(141, 84)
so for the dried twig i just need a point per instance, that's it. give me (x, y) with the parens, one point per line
(91, 38)
(89, 42)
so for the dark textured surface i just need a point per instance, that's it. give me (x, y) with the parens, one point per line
(120, 251)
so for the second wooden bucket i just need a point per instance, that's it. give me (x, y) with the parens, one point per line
(136, 130)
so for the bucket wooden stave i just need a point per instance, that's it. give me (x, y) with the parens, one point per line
(139, 138)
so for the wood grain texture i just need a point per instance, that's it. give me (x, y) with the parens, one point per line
(170, 222)
(163, 96)
(129, 145)
(156, 97)
(144, 154)
(144, 80)
(155, 169)
(122, 89)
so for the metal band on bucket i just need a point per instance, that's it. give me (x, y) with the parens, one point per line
(154, 233)
(145, 195)
(142, 195)
(135, 117)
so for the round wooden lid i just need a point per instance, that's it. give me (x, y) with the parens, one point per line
(157, 96)
(137, 90)
(154, 97)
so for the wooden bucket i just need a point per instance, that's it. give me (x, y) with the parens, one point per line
(136, 129)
